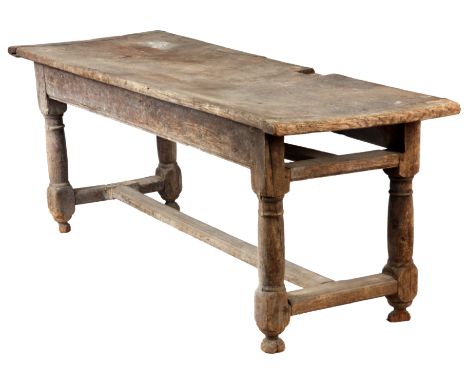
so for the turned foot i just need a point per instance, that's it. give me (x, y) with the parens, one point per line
(272, 345)
(64, 227)
(399, 313)
(173, 205)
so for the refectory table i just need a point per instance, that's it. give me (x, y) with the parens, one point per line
(239, 107)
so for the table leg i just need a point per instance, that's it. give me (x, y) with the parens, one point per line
(60, 194)
(272, 311)
(400, 228)
(169, 170)
(270, 182)
(400, 247)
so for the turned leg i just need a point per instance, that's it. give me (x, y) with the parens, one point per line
(272, 311)
(60, 195)
(169, 170)
(400, 247)
(270, 182)
(400, 228)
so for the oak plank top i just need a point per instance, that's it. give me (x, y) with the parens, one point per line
(276, 97)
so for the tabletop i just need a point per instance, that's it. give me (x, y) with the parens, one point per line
(276, 97)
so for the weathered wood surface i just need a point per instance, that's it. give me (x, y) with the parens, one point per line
(400, 226)
(411, 140)
(271, 303)
(295, 153)
(276, 97)
(102, 192)
(239, 106)
(169, 170)
(341, 292)
(227, 139)
(210, 235)
(60, 195)
(389, 137)
(400, 263)
(342, 164)
(270, 182)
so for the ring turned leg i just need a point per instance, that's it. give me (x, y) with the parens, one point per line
(270, 182)
(400, 228)
(169, 170)
(400, 247)
(272, 311)
(60, 194)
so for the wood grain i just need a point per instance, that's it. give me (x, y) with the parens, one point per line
(342, 164)
(239, 107)
(102, 192)
(409, 163)
(208, 234)
(215, 135)
(389, 137)
(295, 153)
(169, 170)
(400, 226)
(400, 263)
(271, 303)
(60, 195)
(341, 292)
(276, 97)
(270, 182)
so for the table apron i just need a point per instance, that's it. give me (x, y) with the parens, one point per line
(215, 135)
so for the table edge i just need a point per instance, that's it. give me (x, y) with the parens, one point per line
(440, 108)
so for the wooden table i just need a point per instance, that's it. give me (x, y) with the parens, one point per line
(239, 107)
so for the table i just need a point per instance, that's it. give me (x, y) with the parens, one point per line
(239, 107)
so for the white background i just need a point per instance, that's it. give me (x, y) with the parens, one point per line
(126, 298)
